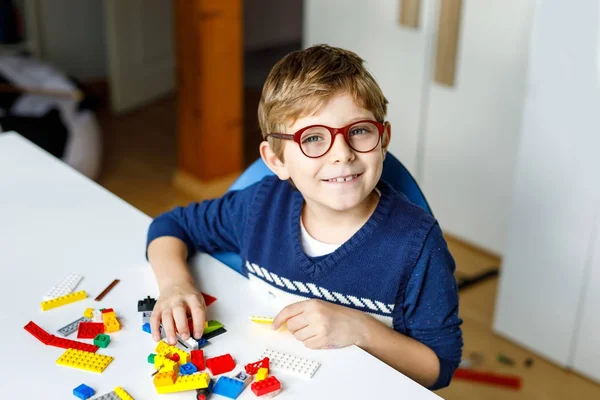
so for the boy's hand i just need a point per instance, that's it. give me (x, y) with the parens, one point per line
(320, 324)
(176, 302)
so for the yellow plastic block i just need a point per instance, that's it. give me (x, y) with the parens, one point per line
(111, 325)
(184, 356)
(62, 300)
(164, 379)
(262, 320)
(170, 365)
(185, 382)
(158, 361)
(109, 315)
(89, 313)
(261, 375)
(123, 395)
(162, 348)
(84, 360)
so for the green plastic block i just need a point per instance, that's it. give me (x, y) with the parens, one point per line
(212, 326)
(102, 340)
(151, 358)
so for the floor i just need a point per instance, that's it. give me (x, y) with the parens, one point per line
(140, 157)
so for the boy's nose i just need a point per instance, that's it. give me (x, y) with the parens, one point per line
(340, 150)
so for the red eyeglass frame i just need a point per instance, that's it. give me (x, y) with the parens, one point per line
(333, 131)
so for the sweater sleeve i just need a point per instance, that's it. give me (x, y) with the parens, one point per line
(431, 305)
(208, 226)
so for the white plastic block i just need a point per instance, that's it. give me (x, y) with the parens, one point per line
(283, 362)
(72, 327)
(67, 286)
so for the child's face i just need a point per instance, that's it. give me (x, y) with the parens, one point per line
(313, 176)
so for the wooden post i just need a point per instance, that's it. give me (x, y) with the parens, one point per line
(209, 52)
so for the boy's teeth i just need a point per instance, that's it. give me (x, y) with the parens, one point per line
(349, 178)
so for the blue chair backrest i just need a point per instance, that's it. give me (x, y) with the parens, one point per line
(394, 173)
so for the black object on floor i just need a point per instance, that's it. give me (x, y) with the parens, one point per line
(466, 282)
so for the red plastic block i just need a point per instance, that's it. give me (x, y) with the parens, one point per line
(105, 310)
(511, 381)
(252, 368)
(38, 332)
(269, 385)
(89, 330)
(72, 344)
(220, 365)
(198, 359)
(208, 299)
(174, 357)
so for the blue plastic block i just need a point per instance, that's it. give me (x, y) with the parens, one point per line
(202, 342)
(83, 391)
(146, 327)
(188, 369)
(229, 387)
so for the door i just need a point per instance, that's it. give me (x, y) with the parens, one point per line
(140, 51)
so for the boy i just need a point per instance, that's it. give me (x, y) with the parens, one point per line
(358, 263)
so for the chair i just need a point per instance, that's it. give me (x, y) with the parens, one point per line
(394, 173)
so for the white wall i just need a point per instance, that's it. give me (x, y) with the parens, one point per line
(72, 36)
(270, 23)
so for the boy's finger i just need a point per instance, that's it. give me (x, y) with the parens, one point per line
(287, 313)
(155, 325)
(180, 317)
(198, 318)
(169, 326)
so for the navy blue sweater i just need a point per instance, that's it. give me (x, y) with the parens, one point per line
(397, 267)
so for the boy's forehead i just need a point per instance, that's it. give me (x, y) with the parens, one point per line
(337, 111)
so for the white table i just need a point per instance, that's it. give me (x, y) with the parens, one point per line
(54, 221)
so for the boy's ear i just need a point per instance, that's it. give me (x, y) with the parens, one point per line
(273, 162)
(386, 137)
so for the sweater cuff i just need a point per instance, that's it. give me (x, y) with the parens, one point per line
(447, 369)
(165, 226)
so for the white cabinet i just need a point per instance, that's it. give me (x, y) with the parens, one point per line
(550, 281)
(459, 142)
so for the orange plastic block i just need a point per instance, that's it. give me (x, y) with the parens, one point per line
(185, 382)
(84, 360)
(164, 379)
(62, 300)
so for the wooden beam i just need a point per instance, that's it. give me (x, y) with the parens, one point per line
(209, 55)
(447, 42)
(409, 13)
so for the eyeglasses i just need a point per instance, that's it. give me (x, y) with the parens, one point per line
(316, 140)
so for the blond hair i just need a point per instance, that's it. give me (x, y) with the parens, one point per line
(303, 81)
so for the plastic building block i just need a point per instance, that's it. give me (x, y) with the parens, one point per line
(89, 330)
(123, 395)
(164, 379)
(221, 364)
(151, 358)
(64, 288)
(509, 381)
(107, 310)
(185, 382)
(262, 320)
(167, 350)
(63, 300)
(97, 316)
(108, 289)
(212, 326)
(269, 385)
(111, 325)
(146, 316)
(229, 387)
(72, 327)
(214, 333)
(146, 304)
(202, 342)
(187, 369)
(261, 375)
(146, 327)
(284, 362)
(89, 313)
(38, 332)
(204, 393)
(71, 344)
(198, 359)
(252, 368)
(83, 391)
(174, 357)
(244, 377)
(84, 360)
(170, 365)
(190, 343)
(108, 396)
(162, 348)
(208, 299)
(102, 340)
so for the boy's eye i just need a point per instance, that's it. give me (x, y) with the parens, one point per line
(358, 131)
(312, 139)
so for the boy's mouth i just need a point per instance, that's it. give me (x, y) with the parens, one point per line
(342, 179)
